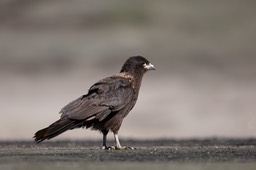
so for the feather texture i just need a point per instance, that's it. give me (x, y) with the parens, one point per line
(105, 105)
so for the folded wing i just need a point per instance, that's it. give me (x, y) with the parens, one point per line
(104, 97)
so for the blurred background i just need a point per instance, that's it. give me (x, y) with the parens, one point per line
(52, 51)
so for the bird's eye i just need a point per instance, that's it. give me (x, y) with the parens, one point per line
(145, 65)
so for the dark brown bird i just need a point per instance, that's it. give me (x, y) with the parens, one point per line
(105, 105)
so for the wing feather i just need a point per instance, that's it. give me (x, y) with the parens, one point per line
(104, 97)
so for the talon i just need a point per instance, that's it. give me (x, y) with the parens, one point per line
(106, 148)
(118, 148)
(124, 148)
(131, 148)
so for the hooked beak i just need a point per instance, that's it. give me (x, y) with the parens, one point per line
(149, 66)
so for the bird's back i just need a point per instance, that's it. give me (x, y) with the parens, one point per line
(108, 100)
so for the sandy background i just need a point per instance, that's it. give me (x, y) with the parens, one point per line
(51, 52)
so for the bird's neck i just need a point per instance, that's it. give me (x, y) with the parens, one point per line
(134, 79)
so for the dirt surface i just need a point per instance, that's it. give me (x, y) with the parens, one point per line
(179, 154)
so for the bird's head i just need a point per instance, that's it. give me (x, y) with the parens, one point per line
(137, 65)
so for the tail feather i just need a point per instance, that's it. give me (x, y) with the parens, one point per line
(55, 129)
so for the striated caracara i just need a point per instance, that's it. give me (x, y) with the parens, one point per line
(105, 105)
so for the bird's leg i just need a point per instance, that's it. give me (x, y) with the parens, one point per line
(105, 133)
(104, 141)
(118, 145)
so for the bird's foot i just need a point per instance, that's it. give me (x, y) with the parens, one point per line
(124, 148)
(106, 148)
(118, 148)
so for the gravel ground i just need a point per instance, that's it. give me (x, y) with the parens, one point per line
(179, 154)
